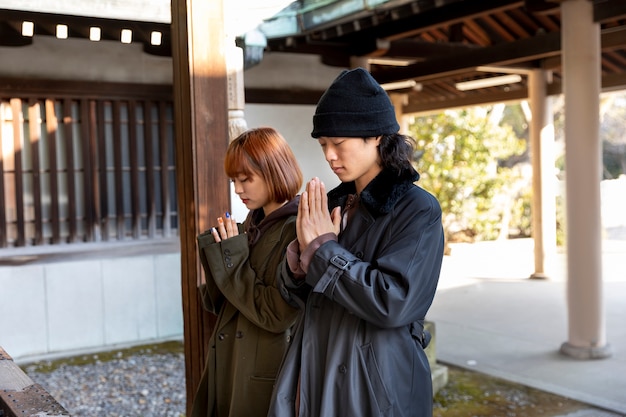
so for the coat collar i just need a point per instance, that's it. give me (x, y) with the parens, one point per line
(256, 223)
(380, 195)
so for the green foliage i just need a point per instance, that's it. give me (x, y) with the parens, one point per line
(521, 213)
(458, 159)
(612, 134)
(513, 115)
(472, 161)
(560, 220)
(613, 159)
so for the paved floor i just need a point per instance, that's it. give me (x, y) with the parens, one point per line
(491, 318)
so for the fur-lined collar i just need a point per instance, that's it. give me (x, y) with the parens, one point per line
(380, 195)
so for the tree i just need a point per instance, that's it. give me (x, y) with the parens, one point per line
(458, 159)
(613, 119)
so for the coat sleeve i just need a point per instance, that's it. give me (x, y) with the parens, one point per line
(397, 285)
(256, 296)
(212, 298)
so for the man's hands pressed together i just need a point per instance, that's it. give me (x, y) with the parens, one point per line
(313, 219)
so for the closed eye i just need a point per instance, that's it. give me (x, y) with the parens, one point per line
(337, 142)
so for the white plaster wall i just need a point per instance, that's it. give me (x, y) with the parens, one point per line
(23, 306)
(304, 71)
(80, 59)
(74, 314)
(65, 307)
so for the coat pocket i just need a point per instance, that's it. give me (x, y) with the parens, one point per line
(258, 394)
(376, 381)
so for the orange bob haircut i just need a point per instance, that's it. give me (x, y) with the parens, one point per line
(264, 153)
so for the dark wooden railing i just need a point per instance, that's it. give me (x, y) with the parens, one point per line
(20, 396)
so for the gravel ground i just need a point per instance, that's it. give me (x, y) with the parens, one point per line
(149, 381)
(141, 382)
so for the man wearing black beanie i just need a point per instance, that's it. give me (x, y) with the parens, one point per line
(355, 105)
(364, 268)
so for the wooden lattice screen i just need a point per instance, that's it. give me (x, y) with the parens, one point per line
(79, 167)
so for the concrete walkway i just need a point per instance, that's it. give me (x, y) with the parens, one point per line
(491, 318)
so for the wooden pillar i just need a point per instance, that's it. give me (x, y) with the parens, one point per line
(583, 170)
(359, 61)
(399, 100)
(542, 158)
(201, 128)
(236, 92)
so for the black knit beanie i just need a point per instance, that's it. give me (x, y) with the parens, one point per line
(354, 105)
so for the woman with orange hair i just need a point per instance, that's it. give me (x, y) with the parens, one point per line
(241, 264)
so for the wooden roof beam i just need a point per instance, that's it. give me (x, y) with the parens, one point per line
(515, 53)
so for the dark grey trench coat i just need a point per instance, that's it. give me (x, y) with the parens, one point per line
(358, 348)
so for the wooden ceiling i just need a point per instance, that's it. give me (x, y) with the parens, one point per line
(446, 42)
(450, 41)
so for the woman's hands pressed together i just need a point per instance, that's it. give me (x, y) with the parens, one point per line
(313, 219)
(226, 227)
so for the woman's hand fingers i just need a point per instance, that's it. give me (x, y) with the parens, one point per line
(225, 228)
(215, 234)
(231, 226)
(221, 228)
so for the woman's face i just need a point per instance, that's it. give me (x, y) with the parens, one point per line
(254, 192)
(352, 159)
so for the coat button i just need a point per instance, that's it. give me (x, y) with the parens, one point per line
(239, 334)
(221, 336)
(359, 255)
(226, 252)
(229, 265)
(343, 369)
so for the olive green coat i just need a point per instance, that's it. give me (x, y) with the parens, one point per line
(253, 325)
